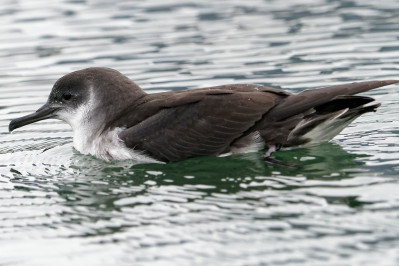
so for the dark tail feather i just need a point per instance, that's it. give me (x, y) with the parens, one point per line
(308, 99)
(342, 102)
(329, 119)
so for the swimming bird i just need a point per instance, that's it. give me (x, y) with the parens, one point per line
(114, 119)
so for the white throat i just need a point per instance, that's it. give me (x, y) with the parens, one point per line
(89, 137)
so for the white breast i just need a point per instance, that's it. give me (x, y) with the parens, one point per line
(107, 146)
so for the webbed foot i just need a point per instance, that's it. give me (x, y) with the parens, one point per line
(267, 157)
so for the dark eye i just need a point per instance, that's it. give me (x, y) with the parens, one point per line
(66, 96)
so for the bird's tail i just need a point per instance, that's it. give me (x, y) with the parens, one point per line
(301, 102)
(329, 119)
(318, 115)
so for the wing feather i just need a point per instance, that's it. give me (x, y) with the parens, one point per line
(206, 126)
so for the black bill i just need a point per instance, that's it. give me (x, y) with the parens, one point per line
(42, 113)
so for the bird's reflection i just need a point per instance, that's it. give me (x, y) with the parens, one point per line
(224, 174)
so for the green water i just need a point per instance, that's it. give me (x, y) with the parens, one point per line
(61, 207)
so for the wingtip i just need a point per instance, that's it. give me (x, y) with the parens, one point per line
(389, 82)
(373, 84)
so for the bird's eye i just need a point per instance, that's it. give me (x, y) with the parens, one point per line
(66, 96)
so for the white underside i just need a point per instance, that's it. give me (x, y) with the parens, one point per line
(327, 130)
(107, 146)
(254, 143)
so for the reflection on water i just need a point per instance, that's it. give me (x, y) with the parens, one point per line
(339, 208)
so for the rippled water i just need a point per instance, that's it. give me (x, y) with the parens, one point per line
(60, 207)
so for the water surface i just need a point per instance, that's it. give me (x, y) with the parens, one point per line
(60, 207)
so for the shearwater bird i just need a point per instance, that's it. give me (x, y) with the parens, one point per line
(114, 119)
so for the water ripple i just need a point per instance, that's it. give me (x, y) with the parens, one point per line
(60, 207)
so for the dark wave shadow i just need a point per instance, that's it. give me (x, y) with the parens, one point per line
(314, 162)
(88, 176)
(233, 173)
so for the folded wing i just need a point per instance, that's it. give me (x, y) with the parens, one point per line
(205, 125)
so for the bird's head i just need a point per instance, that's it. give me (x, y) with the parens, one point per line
(85, 95)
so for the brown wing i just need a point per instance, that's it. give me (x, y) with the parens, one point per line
(206, 125)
